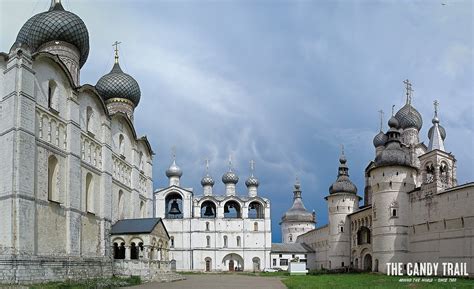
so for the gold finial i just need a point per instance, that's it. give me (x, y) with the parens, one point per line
(409, 90)
(116, 44)
(381, 119)
(436, 104)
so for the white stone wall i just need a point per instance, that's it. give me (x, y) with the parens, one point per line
(291, 230)
(318, 240)
(276, 259)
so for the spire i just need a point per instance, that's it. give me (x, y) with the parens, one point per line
(116, 44)
(435, 135)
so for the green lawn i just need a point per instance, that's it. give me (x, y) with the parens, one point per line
(365, 280)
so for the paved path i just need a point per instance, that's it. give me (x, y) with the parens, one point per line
(218, 281)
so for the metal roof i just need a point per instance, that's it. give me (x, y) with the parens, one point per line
(291, 248)
(135, 226)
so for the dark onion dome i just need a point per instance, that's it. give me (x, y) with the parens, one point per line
(207, 180)
(343, 184)
(174, 170)
(117, 84)
(297, 212)
(380, 139)
(230, 178)
(252, 181)
(56, 24)
(393, 153)
(393, 122)
(409, 117)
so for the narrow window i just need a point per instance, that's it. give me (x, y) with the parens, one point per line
(255, 226)
(207, 226)
(172, 242)
(290, 238)
(238, 241)
(342, 229)
(89, 193)
(142, 209)
(342, 264)
(52, 96)
(225, 241)
(208, 241)
(394, 212)
(89, 119)
(133, 251)
(121, 144)
(120, 205)
(53, 179)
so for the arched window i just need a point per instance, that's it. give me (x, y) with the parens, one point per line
(174, 206)
(53, 101)
(121, 203)
(238, 241)
(232, 210)
(208, 209)
(172, 242)
(443, 173)
(133, 251)
(89, 119)
(116, 251)
(53, 179)
(208, 241)
(256, 211)
(394, 209)
(225, 241)
(122, 251)
(255, 226)
(429, 173)
(142, 209)
(89, 193)
(121, 145)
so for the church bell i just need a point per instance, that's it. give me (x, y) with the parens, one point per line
(208, 211)
(174, 210)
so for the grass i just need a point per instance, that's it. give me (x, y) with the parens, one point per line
(367, 280)
(101, 283)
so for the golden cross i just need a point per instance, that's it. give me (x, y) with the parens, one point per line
(116, 44)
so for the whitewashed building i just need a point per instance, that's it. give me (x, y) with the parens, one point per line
(215, 232)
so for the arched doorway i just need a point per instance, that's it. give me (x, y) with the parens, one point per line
(256, 264)
(376, 265)
(233, 262)
(208, 264)
(368, 262)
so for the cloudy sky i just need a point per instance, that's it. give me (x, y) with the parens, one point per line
(282, 82)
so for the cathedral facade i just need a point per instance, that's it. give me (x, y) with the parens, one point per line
(73, 164)
(414, 211)
(215, 232)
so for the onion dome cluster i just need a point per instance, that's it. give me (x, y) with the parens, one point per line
(56, 24)
(393, 154)
(117, 84)
(343, 184)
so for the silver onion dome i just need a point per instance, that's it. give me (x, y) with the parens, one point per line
(380, 139)
(230, 178)
(174, 170)
(207, 180)
(252, 182)
(409, 117)
(117, 84)
(343, 184)
(56, 24)
(442, 131)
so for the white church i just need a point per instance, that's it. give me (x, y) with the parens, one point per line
(212, 230)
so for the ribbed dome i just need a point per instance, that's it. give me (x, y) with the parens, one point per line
(409, 117)
(380, 139)
(343, 184)
(207, 180)
(174, 170)
(117, 84)
(252, 181)
(230, 178)
(56, 24)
